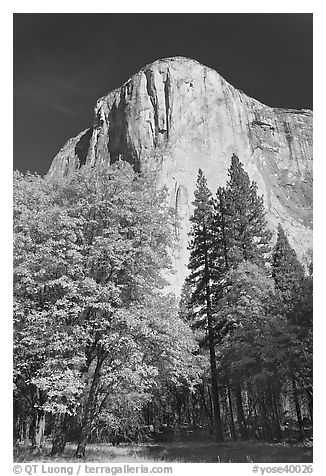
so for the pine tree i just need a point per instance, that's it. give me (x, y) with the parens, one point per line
(288, 274)
(221, 243)
(186, 310)
(295, 295)
(245, 222)
(238, 227)
(255, 350)
(201, 266)
(240, 233)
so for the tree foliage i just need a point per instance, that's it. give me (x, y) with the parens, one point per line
(258, 316)
(101, 351)
(90, 322)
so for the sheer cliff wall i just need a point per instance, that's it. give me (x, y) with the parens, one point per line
(182, 116)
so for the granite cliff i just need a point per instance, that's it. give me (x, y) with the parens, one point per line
(182, 116)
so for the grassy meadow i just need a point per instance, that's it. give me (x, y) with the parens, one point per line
(180, 452)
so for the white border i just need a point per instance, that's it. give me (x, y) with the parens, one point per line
(168, 6)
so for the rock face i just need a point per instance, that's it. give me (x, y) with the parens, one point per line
(182, 116)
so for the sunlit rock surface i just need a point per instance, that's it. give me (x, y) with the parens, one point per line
(180, 116)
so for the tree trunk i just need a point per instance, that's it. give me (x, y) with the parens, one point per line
(240, 412)
(36, 431)
(215, 395)
(267, 435)
(278, 430)
(89, 412)
(208, 412)
(233, 432)
(310, 403)
(82, 441)
(189, 400)
(39, 432)
(59, 438)
(26, 432)
(297, 408)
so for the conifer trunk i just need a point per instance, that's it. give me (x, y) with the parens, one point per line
(233, 432)
(215, 397)
(297, 408)
(207, 411)
(215, 394)
(276, 414)
(264, 421)
(240, 412)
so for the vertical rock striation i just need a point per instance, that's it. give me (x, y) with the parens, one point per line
(182, 116)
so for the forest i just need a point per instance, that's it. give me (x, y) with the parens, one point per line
(104, 354)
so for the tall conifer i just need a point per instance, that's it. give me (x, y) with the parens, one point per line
(201, 266)
(246, 225)
(240, 233)
(289, 278)
(288, 274)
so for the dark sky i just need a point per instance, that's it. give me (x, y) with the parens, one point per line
(64, 62)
